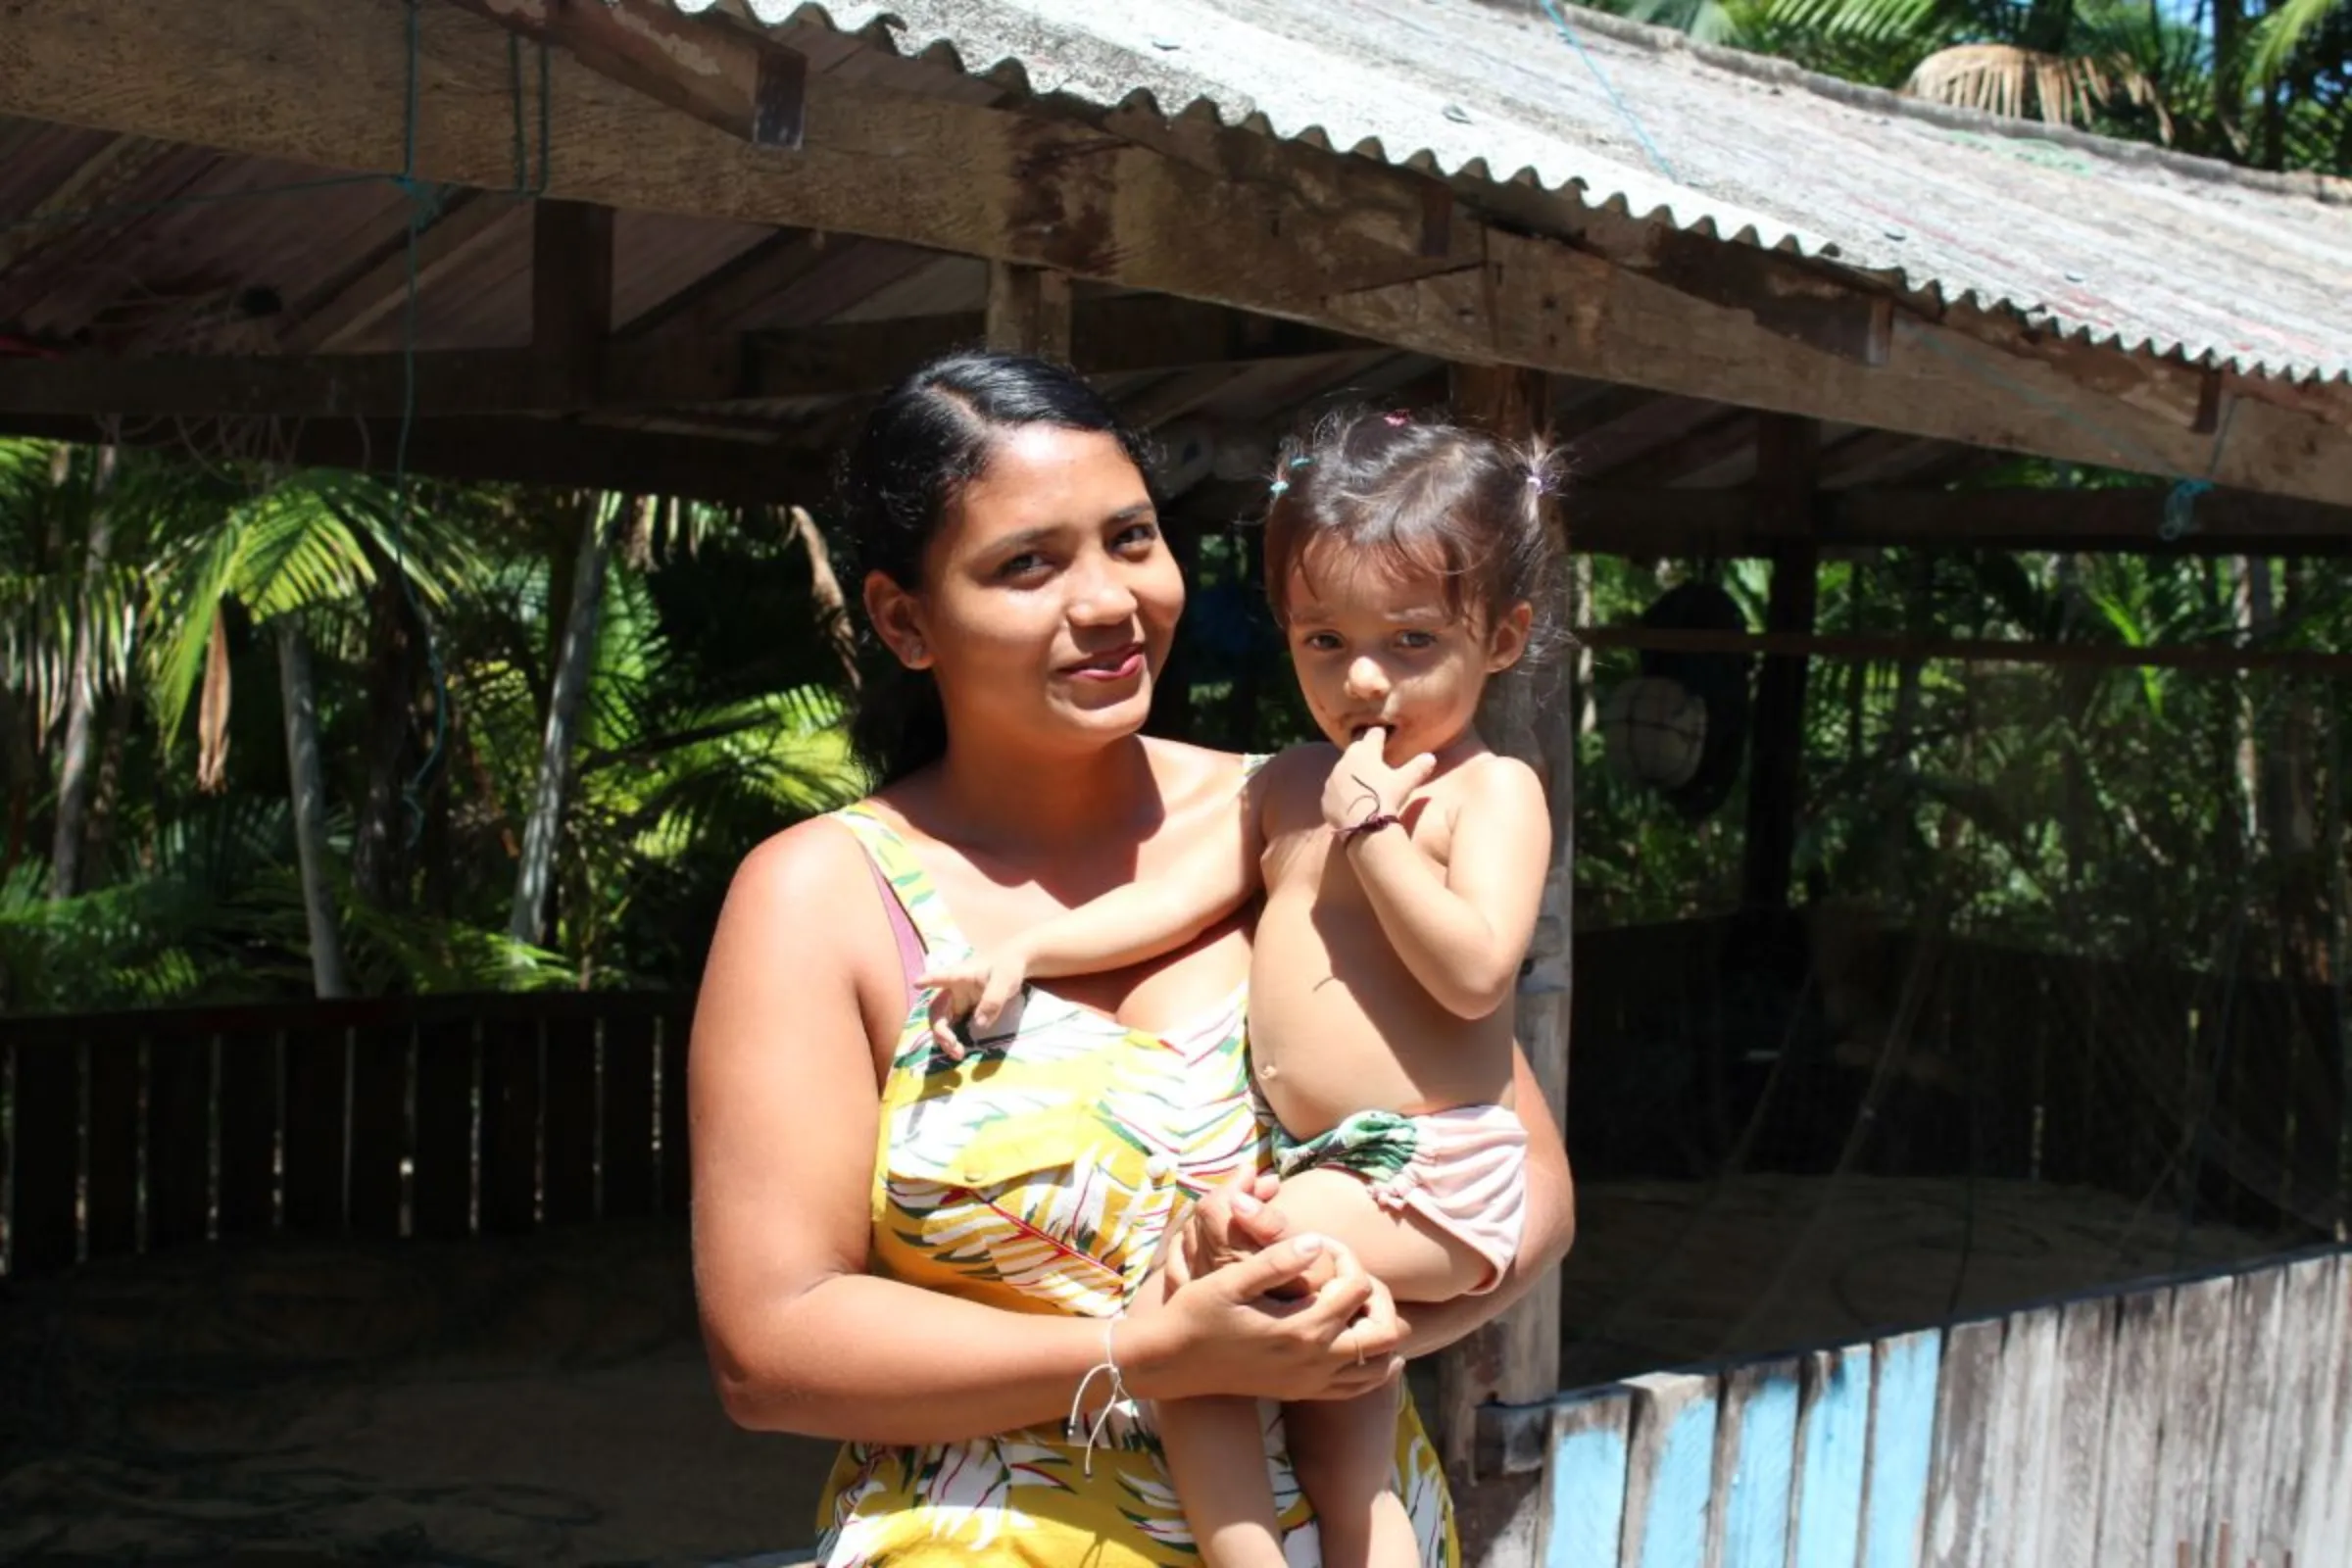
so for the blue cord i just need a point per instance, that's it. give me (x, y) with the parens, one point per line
(1560, 20)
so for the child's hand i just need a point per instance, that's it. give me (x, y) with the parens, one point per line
(978, 987)
(1363, 786)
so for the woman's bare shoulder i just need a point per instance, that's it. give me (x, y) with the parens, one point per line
(812, 866)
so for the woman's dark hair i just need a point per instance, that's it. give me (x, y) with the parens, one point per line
(929, 437)
(1422, 496)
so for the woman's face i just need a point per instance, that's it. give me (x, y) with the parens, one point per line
(1049, 597)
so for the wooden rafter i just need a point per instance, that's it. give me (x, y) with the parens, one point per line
(1119, 335)
(1282, 229)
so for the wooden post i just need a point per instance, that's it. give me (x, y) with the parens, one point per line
(1515, 1360)
(1029, 310)
(571, 287)
(1787, 453)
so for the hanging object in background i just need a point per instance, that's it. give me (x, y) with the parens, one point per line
(1679, 726)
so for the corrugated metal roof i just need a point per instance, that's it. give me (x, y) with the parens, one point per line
(2112, 242)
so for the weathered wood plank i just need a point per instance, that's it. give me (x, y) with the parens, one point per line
(2327, 1479)
(2025, 1420)
(2249, 1400)
(379, 1130)
(1028, 310)
(1834, 1443)
(2139, 1362)
(317, 1061)
(630, 1175)
(569, 1122)
(2196, 1378)
(249, 1112)
(118, 1146)
(179, 1140)
(44, 1158)
(1669, 1465)
(442, 1188)
(1287, 230)
(1959, 1476)
(1755, 1467)
(1589, 1458)
(2069, 1532)
(1902, 1437)
(2306, 1318)
(510, 1054)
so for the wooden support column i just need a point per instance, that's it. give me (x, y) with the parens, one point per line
(1029, 310)
(572, 287)
(1499, 1381)
(1787, 458)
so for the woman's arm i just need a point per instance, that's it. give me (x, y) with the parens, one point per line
(784, 1116)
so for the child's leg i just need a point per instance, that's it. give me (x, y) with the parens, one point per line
(1345, 1452)
(1217, 1458)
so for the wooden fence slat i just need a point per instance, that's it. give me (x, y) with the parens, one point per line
(1669, 1464)
(2025, 1409)
(2194, 1383)
(442, 1187)
(2240, 1484)
(2069, 1533)
(1589, 1453)
(2327, 1534)
(1755, 1467)
(118, 1145)
(568, 1124)
(317, 1075)
(249, 1124)
(1832, 1444)
(45, 1159)
(674, 1167)
(510, 1127)
(1958, 1482)
(2305, 1322)
(179, 1140)
(2139, 1362)
(1902, 1437)
(628, 1115)
(380, 1128)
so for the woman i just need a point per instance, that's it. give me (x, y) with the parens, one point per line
(943, 1305)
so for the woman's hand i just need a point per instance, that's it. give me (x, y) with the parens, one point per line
(1229, 1330)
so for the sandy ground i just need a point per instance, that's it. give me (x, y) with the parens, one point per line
(545, 1400)
(535, 1402)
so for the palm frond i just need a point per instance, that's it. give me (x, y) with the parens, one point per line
(2018, 83)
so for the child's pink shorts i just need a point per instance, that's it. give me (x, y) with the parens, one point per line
(1463, 1170)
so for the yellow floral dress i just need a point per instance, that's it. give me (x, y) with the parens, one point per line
(1037, 1175)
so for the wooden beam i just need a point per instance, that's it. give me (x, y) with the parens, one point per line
(515, 450)
(1283, 228)
(1028, 310)
(468, 223)
(574, 369)
(1787, 458)
(716, 302)
(743, 84)
(2199, 659)
(1515, 1360)
(571, 294)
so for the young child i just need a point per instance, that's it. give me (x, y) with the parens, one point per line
(1402, 864)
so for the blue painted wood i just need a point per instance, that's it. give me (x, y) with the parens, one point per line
(1756, 1466)
(1588, 1478)
(1669, 1471)
(1902, 1435)
(1834, 1438)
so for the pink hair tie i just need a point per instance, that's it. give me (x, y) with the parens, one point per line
(1398, 419)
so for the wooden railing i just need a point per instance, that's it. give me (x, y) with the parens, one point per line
(2203, 1424)
(444, 1116)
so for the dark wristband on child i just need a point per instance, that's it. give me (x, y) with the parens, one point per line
(1370, 824)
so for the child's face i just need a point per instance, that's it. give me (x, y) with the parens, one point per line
(1375, 645)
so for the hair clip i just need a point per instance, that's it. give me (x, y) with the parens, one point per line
(1535, 479)
(1398, 419)
(1277, 487)
(1302, 461)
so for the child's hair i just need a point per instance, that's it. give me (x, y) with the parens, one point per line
(1421, 496)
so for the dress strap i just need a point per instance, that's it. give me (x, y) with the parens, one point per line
(906, 877)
